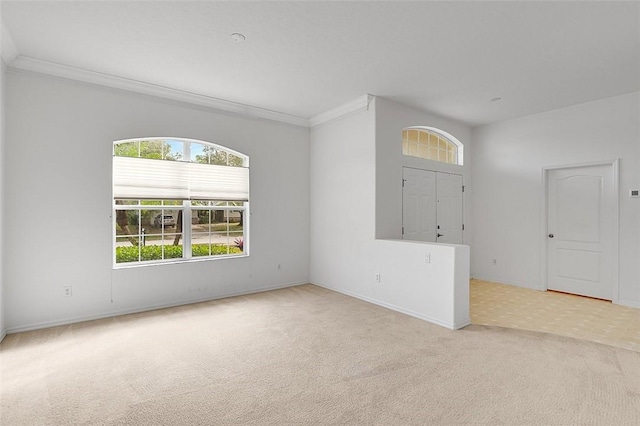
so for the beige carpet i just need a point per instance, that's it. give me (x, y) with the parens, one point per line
(306, 355)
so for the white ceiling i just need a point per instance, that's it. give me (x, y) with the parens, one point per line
(304, 58)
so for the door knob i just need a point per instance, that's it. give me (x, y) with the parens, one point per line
(439, 235)
(550, 235)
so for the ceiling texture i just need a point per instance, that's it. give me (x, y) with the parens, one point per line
(304, 58)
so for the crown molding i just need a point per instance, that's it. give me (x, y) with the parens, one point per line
(7, 47)
(360, 103)
(28, 64)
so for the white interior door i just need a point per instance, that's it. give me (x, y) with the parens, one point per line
(449, 210)
(580, 230)
(419, 205)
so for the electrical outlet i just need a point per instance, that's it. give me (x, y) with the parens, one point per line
(279, 267)
(427, 258)
(495, 261)
(68, 291)
(378, 277)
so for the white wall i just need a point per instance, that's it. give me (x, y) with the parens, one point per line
(508, 158)
(345, 256)
(436, 291)
(391, 118)
(3, 328)
(58, 161)
(342, 170)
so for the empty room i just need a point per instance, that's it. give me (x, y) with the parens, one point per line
(319, 212)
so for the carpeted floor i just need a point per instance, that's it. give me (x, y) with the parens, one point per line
(306, 355)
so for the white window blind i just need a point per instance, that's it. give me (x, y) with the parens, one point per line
(143, 178)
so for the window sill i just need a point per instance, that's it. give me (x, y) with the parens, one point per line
(176, 262)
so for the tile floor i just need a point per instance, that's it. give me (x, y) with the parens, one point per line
(558, 313)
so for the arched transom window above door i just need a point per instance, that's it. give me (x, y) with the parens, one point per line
(431, 144)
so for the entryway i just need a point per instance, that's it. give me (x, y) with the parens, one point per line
(556, 313)
(581, 230)
(431, 206)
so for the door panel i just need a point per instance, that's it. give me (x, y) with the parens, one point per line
(449, 214)
(419, 205)
(579, 207)
(580, 230)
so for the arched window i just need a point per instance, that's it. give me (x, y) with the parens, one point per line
(178, 199)
(431, 144)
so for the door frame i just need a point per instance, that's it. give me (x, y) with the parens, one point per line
(615, 170)
(435, 171)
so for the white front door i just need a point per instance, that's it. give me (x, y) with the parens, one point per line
(580, 230)
(449, 214)
(431, 206)
(419, 205)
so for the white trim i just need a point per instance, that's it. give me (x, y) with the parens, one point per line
(2, 336)
(629, 303)
(446, 324)
(8, 48)
(28, 64)
(73, 320)
(615, 169)
(511, 283)
(355, 105)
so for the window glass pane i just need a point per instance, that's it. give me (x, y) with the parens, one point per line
(423, 137)
(405, 147)
(160, 149)
(433, 154)
(153, 149)
(235, 161)
(200, 245)
(423, 151)
(197, 153)
(433, 140)
(125, 251)
(127, 222)
(413, 136)
(127, 235)
(126, 149)
(451, 157)
(413, 148)
(216, 156)
(127, 202)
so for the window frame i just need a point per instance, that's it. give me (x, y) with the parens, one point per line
(187, 207)
(441, 134)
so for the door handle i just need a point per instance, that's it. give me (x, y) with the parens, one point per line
(439, 235)
(550, 235)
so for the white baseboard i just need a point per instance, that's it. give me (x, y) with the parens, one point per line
(629, 303)
(451, 326)
(73, 320)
